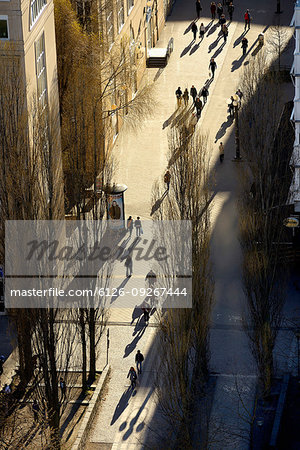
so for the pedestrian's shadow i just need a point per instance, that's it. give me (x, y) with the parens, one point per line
(256, 50)
(239, 39)
(130, 347)
(236, 64)
(158, 202)
(122, 405)
(208, 82)
(188, 28)
(122, 285)
(223, 128)
(212, 29)
(186, 50)
(214, 44)
(218, 51)
(136, 314)
(195, 48)
(169, 120)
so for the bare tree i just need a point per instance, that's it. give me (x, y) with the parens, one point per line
(264, 180)
(185, 332)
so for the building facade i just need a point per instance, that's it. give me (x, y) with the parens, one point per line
(295, 72)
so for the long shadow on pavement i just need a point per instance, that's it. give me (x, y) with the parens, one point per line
(158, 202)
(223, 128)
(187, 48)
(122, 405)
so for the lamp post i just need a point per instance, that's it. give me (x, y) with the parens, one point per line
(107, 345)
(237, 129)
(278, 11)
(297, 334)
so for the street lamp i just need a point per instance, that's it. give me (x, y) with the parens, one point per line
(278, 11)
(297, 334)
(236, 103)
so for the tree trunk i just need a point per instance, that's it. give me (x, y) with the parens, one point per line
(92, 338)
(83, 347)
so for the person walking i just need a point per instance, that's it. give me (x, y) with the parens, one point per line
(219, 10)
(204, 94)
(230, 10)
(231, 107)
(198, 106)
(213, 8)
(138, 226)
(146, 315)
(222, 20)
(139, 358)
(35, 410)
(63, 388)
(178, 94)
(247, 19)
(240, 94)
(128, 265)
(167, 179)
(225, 32)
(151, 279)
(186, 97)
(194, 29)
(130, 225)
(198, 8)
(212, 66)
(221, 151)
(244, 45)
(193, 93)
(202, 31)
(133, 377)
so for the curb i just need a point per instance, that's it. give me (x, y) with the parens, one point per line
(90, 413)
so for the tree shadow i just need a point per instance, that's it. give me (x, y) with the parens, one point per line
(187, 48)
(223, 128)
(218, 51)
(158, 203)
(121, 406)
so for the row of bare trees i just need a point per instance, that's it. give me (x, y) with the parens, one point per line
(184, 332)
(265, 178)
(94, 94)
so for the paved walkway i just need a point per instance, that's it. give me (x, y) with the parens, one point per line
(142, 160)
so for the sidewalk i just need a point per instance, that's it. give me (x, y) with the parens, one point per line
(142, 160)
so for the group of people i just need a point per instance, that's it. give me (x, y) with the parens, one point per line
(134, 223)
(196, 100)
(133, 374)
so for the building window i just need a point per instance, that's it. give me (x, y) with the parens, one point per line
(36, 9)
(130, 5)
(4, 31)
(120, 9)
(110, 23)
(41, 74)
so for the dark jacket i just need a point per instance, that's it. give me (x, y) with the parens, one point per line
(194, 28)
(178, 93)
(139, 357)
(244, 42)
(193, 92)
(219, 10)
(204, 92)
(230, 9)
(198, 104)
(198, 6)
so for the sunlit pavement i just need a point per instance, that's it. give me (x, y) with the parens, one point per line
(142, 159)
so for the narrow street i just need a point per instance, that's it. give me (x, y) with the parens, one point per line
(122, 421)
